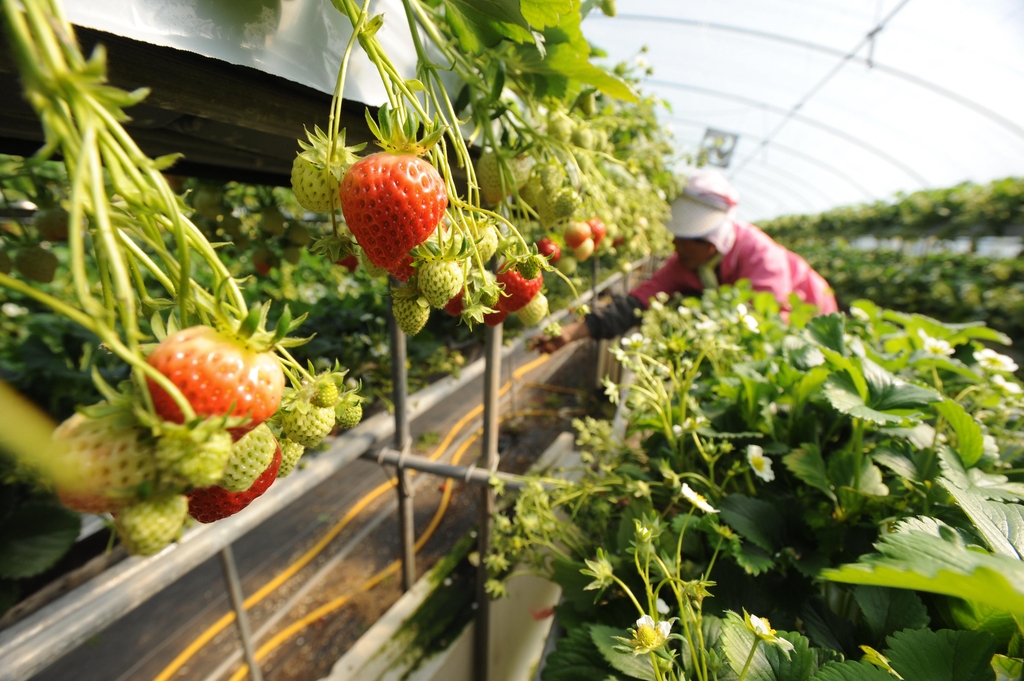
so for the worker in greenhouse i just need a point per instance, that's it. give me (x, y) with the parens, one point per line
(712, 248)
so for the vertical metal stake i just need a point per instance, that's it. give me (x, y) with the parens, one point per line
(227, 561)
(596, 344)
(489, 460)
(399, 394)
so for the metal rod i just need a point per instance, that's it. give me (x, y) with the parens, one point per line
(470, 474)
(596, 345)
(406, 502)
(227, 561)
(489, 459)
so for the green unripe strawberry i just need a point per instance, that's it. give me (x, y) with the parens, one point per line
(291, 452)
(311, 186)
(52, 223)
(272, 222)
(608, 7)
(371, 269)
(411, 314)
(148, 526)
(534, 311)
(36, 264)
(488, 242)
(530, 268)
(308, 425)
(348, 413)
(200, 463)
(298, 235)
(583, 138)
(565, 204)
(250, 456)
(552, 178)
(488, 177)
(326, 394)
(532, 191)
(292, 254)
(588, 104)
(546, 212)
(559, 126)
(440, 281)
(5, 263)
(567, 265)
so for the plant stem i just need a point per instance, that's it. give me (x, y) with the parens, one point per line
(750, 658)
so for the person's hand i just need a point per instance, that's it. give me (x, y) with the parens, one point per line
(550, 341)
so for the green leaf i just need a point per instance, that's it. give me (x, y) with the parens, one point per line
(852, 671)
(751, 558)
(575, 658)
(479, 24)
(899, 464)
(35, 537)
(756, 520)
(944, 655)
(1001, 524)
(827, 629)
(932, 557)
(807, 465)
(1007, 668)
(970, 444)
(829, 331)
(890, 610)
(883, 399)
(634, 666)
(842, 473)
(564, 60)
(921, 435)
(770, 663)
(543, 13)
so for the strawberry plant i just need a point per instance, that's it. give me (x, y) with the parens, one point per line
(716, 537)
(139, 271)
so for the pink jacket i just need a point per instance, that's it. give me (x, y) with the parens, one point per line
(754, 256)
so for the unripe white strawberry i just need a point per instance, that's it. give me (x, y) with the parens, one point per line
(200, 463)
(584, 250)
(307, 425)
(534, 311)
(411, 314)
(250, 456)
(311, 186)
(576, 233)
(440, 281)
(291, 452)
(148, 526)
(348, 413)
(103, 465)
(488, 242)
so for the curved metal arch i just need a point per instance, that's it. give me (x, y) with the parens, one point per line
(795, 179)
(837, 132)
(796, 153)
(988, 113)
(782, 187)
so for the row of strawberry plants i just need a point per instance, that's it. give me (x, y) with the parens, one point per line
(967, 209)
(718, 537)
(952, 287)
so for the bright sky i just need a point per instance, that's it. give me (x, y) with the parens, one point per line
(944, 102)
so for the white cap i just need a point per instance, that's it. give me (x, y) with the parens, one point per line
(707, 203)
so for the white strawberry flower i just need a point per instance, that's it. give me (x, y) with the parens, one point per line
(993, 361)
(662, 607)
(742, 309)
(860, 314)
(634, 342)
(1007, 387)
(759, 463)
(935, 346)
(762, 628)
(697, 500)
(751, 324)
(648, 635)
(684, 311)
(677, 429)
(706, 326)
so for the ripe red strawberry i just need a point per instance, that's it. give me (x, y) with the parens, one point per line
(495, 318)
(576, 233)
(549, 249)
(219, 376)
(455, 305)
(208, 504)
(597, 230)
(518, 291)
(402, 269)
(392, 203)
(350, 263)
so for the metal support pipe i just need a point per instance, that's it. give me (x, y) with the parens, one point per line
(227, 561)
(489, 460)
(596, 345)
(469, 474)
(406, 502)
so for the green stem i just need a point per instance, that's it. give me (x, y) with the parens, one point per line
(750, 658)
